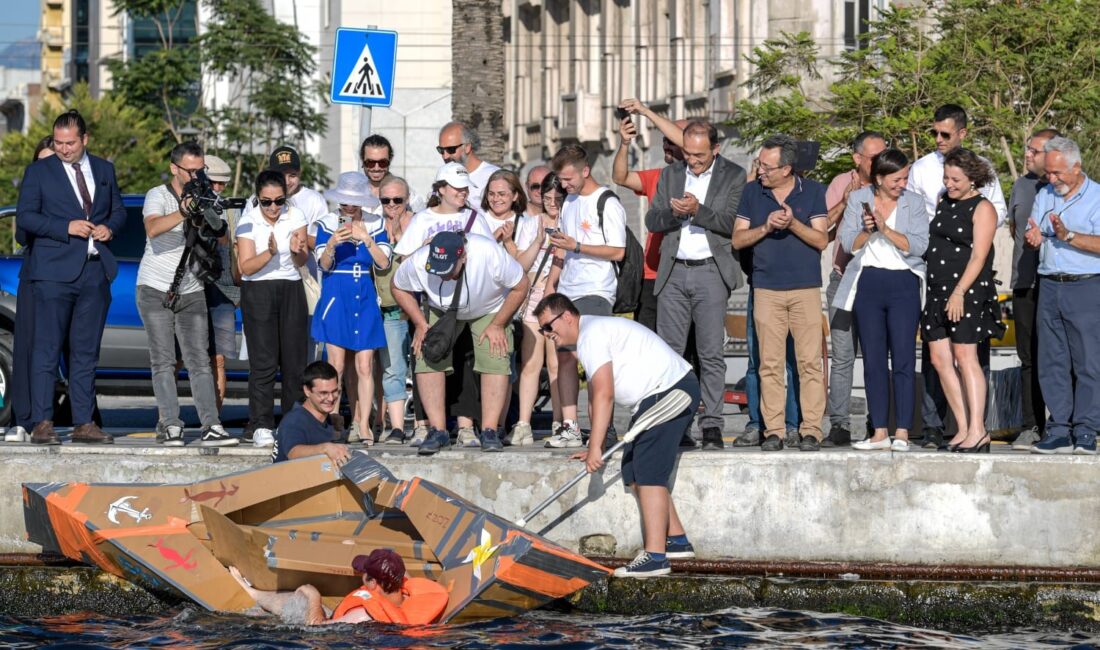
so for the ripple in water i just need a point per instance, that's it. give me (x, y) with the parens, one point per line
(731, 628)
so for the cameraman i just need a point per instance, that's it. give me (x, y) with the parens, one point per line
(186, 319)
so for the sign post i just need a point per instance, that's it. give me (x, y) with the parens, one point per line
(363, 67)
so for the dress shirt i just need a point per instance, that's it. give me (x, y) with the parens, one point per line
(926, 179)
(693, 239)
(1081, 214)
(70, 173)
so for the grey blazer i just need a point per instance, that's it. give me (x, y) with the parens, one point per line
(717, 211)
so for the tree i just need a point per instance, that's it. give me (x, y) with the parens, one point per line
(116, 131)
(272, 101)
(477, 67)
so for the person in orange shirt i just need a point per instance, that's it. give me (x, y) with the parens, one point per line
(387, 595)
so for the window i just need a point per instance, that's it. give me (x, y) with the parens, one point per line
(856, 15)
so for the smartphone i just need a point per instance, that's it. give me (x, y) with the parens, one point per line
(871, 213)
(342, 221)
(621, 113)
(550, 231)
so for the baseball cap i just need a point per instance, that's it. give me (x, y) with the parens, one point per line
(454, 174)
(444, 251)
(217, 169)
(285, 159)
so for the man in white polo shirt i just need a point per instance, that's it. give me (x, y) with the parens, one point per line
(629, 365)
(459, 143)
(584, 266)
(493, 285)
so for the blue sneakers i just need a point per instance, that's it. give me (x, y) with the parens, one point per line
(490, 441)
(1055, 445)
(644, 566)
(1086, 445)
(679, 550)
(435, 441)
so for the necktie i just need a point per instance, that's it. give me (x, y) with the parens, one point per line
(82, 185)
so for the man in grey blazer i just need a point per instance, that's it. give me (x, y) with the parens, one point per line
(695, 206)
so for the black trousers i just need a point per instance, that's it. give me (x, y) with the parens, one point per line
(463, 387)
(1024, 302)
(276, 328)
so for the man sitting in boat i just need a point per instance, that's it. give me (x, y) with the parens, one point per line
(388, 595)
(306, 431)
(630, 365)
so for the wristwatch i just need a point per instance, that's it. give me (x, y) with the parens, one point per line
(1069, 236)
(577, 248)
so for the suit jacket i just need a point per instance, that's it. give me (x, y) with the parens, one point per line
(717, 211)
(47, 203)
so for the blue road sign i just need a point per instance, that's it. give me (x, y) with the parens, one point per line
(363, 65)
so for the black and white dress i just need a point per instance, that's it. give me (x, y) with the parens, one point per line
(950, 244)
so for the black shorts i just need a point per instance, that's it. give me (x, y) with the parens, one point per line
(650, 459)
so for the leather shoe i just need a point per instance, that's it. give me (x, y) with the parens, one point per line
(748, 438)
(43, 434)
(772, 443)
(712, 439)
(809, 443)
(90, 433)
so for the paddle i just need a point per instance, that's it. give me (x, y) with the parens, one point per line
(662, 411)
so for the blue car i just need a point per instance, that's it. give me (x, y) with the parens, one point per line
(124, 352)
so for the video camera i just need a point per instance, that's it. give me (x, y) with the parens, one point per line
(205, 207)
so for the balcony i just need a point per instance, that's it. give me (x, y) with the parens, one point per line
(580, 117)
(53, 36)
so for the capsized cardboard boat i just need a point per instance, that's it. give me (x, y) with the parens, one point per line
(300, 522)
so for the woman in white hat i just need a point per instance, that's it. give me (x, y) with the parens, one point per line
(351, 243)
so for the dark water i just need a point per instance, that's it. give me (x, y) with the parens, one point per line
(731, 628)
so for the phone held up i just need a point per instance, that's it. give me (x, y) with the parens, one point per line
(868, 212)
(621, 113)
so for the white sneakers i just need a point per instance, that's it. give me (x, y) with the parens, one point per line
(263, 438)
(567, 437)
(173, 436)
(468, 438)
(522, 435)
(17, 434)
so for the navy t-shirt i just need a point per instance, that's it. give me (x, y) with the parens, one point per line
(782, 261)
(299, 427)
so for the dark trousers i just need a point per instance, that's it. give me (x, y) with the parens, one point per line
(462, 386)
(887, 310)
(22, 348)
(1024, 302)
(647, 306)
(276, 328)
(75, 311)
(1069, 348)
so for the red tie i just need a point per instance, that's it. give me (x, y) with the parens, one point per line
(82, 185)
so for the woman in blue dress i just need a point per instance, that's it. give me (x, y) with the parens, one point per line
(351, 243)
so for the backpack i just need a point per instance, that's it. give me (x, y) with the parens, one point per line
(628, 271)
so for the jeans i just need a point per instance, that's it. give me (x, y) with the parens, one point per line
(752, 378)
(395, 359)
(186, 322)
(844, 345)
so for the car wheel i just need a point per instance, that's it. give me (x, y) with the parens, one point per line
(5, 382)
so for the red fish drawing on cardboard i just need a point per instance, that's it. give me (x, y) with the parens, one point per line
(210, 494)
(172, 555)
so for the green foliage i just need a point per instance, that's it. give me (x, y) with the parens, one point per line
(116, 131)
(1015, 66)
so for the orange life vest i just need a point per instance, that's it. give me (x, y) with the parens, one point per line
(424, 601)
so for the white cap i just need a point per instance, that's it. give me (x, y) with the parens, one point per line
(454, 174)
(217, 169)
(353, 188)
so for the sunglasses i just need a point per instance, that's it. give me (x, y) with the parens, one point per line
(548, 328)
(535, 187)
(281, 201)
(397, 200)
(380, 164)
(946, 135)
(449, 150)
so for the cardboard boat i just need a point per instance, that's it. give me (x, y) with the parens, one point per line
(302, 522)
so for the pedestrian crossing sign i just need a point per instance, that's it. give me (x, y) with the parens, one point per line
(363, 66)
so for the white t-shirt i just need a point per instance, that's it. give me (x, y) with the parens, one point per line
(255, 227)
(163, 252)
(582, 275)
(427, 223)
(479, 181)
(489, 275)
(642, 364)
(526, 231)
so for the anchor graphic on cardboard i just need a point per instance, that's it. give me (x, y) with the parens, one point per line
(123, 505)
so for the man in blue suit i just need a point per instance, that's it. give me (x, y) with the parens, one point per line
(71, 204)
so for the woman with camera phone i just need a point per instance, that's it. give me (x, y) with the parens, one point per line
(351, 244)
(272, 244)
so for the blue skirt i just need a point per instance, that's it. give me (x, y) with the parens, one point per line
(347, 315)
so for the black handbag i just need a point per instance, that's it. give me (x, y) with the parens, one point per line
(440, 337)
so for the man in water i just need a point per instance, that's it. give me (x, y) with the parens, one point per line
(387, 595)
(630, 365)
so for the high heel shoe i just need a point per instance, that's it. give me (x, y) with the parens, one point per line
(980, 448)
(950, 447)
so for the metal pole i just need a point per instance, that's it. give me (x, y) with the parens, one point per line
(364, 114)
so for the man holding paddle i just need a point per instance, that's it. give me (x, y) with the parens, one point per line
(629, 364)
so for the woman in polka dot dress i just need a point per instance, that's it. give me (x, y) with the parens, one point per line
(961, 305)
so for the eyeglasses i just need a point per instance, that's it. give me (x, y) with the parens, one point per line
(450, 150)
(191, 172)
(380, 164)
(281, 201)
(1035, 152)
(548, 328)
(535, 187)
(946, 135)
(397, 200)
(766, 169)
